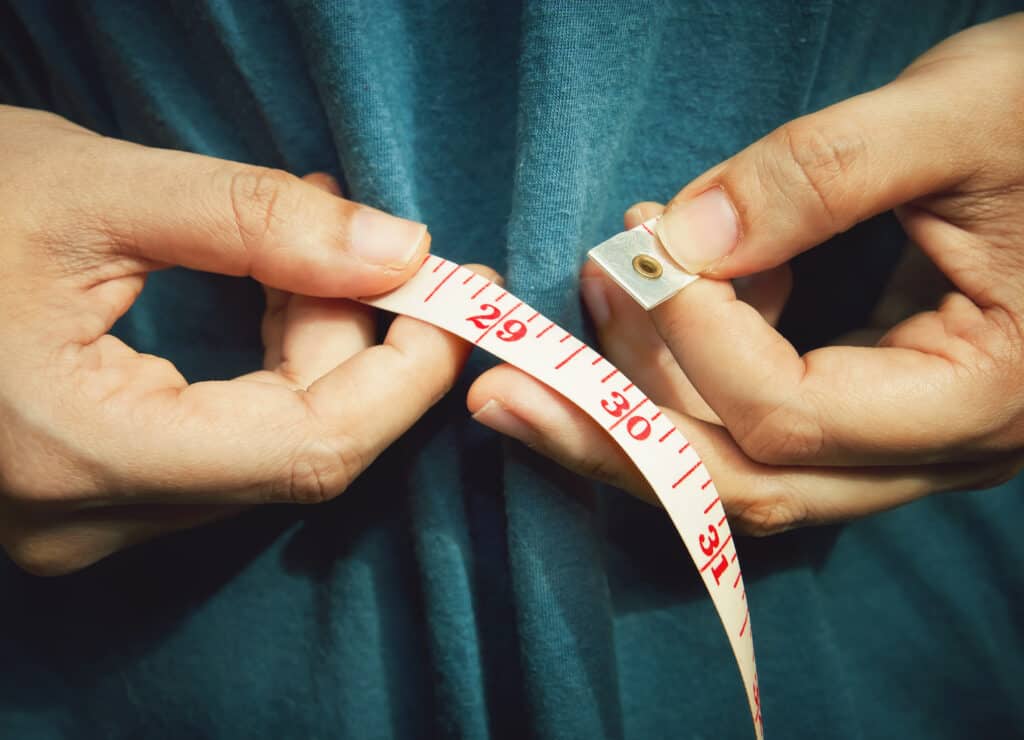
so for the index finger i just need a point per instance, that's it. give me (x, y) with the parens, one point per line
(910, 401)
(248, 441)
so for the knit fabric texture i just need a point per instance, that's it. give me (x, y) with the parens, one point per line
(465, 587)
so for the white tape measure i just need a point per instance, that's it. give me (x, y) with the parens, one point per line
(464, 303)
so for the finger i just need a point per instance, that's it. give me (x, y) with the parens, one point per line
(630, 341)
(908, 402)
(640, 212)
(325, 182)
(305, 337)
(245, 441)
(316, 335)
(817, 176)
(508, 400)
(47, 547)
(766, 291)
(759, 499)
(219, 216)
(272, 327)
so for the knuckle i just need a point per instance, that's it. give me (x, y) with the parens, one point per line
(819, 163)
(323, 470)
(783, 436)
(772, 508)
(256, 195)
(768, 517)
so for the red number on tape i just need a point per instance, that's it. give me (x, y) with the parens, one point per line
(484, 320)
(709, 542)
(616, 404)
(511, 331)
(639, 428)
(719, 568)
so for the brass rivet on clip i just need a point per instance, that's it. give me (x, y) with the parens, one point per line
(646, 266)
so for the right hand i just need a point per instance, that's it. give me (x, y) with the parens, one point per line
(936, 404)
(102, 447)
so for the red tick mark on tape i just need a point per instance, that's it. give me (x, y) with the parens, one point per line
(468, 280)
(565, 338)
(535, 315)
(545, 330)
(597, 360)
(503, 294)
(705, 484)
(565, 362)
(737, 581)
(722, 520)
(610, 375)
(744, 627)
(647, 229)
(683, 449)
(711, 505)
(666, 435)
(438, 267)
(481, 289)
(443, 281)
(687, 474)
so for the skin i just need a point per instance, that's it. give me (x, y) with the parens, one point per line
(935, 403)
(102, 447)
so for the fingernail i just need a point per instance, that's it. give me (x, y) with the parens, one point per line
(700, 233)
(492, 414)
(381, 239)
(595, 297)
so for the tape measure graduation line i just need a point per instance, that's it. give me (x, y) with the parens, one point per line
(464, 303)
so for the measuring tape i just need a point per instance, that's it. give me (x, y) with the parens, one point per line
(468, 305)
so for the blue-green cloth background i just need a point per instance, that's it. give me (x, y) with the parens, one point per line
(464, 587)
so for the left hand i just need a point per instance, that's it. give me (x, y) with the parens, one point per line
(103, 447)
(937, 404)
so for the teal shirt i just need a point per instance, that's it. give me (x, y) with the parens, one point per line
(464, 587)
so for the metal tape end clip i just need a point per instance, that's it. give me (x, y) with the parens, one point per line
(638, 263)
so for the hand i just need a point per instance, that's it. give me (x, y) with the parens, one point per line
(102, 447)
(936, 404)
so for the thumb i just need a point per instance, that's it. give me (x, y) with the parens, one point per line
(815, 177)
(219, 216)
